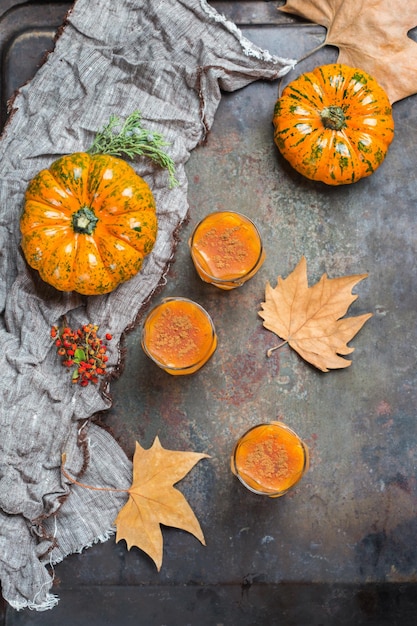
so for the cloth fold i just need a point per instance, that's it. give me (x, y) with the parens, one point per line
(170, 59)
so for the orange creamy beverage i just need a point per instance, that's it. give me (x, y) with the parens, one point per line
(179, 336)
(269, 459)
(226, 249)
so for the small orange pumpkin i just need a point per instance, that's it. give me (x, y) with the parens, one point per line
(88, 223)
(334, 124)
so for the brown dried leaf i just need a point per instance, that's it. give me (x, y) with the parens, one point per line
(308, 318)
(153, 500)
(371, 36)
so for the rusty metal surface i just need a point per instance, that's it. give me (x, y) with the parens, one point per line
(339, 549)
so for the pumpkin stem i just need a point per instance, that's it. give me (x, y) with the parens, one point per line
(84, 221)
(333, 117)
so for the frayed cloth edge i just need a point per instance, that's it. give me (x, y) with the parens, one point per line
(99, 539)
(249, 48)
(51, 599)
(49, 603)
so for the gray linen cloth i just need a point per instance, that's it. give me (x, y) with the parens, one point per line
(170, 59)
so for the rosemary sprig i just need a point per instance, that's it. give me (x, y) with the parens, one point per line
(129, 138)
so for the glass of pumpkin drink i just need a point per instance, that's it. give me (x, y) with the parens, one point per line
(179, 336)
(269, 459)
(226, 249)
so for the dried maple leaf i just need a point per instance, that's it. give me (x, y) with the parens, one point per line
(308, 318)
(153, 500)
(371, 36)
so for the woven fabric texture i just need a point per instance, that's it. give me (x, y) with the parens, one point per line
(170, 59)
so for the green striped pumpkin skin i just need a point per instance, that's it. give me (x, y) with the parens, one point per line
(334, 124)
(88, 223)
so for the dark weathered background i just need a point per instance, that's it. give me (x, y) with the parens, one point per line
(341, 548)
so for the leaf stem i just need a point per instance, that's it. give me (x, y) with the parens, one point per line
(76, 482)
(271, 350)
(281, 85)
(311, 52)
(130, 139)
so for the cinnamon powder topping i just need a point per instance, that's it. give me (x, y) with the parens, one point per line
(226, 245)
(176, 334)
(268, 459)
(227, 248)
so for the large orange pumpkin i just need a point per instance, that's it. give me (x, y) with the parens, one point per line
(334, 124)
(88, 223)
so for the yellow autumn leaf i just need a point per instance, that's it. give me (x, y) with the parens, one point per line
(370, 35)
(153, 499)
(308, 318)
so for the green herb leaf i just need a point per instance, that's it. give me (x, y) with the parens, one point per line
(129, 138)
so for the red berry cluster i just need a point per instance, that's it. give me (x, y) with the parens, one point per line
(83, 350)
